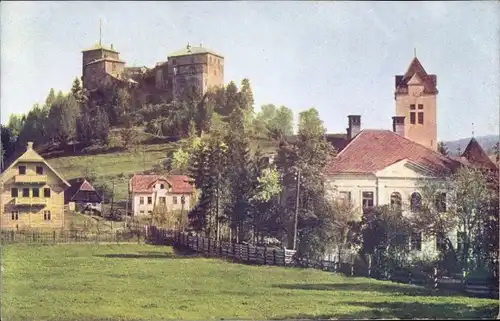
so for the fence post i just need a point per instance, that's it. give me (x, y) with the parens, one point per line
(265, 255)
(33, 238)
(435, 278)
(409, 277)
(197, 243)
(274, 256)
(54, 236)
(352, 269)
(13, 236)
(248, 252)
(208, 246)
(369, 265)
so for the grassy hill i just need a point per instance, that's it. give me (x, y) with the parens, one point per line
(145, 282)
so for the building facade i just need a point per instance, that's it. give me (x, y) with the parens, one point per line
(32, 194)
(191, 68)
(147, 192)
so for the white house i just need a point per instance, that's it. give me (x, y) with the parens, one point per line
(147, 191)
(382, 167)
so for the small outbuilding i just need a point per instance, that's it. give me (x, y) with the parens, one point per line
(82, 196)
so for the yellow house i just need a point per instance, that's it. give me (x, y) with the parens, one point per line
(32, 194)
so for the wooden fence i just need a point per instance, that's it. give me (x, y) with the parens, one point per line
(68, 237)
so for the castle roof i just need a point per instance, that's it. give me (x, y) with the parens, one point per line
(190, 50)
(98, 46)
(105, 59)
(416, 68)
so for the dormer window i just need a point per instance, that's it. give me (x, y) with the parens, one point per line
(22, 170)
(162, 186)
(39, 170)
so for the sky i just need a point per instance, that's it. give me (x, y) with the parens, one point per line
(338, 57)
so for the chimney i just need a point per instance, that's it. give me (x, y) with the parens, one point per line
(398, 125)
(111, 46)
(30, 145)
(354, 122)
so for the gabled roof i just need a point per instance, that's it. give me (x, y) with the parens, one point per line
(416, 67)
(190, 50)
(144, 183)
(338, 140)
(373, 150)
(30, 155)
(476, 156)
(77, 185)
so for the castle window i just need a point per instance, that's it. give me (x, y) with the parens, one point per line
(163, 200)
(420, 118)
(46, 192)
(440, 242)
(173, 62)
(412, 106)
(36, 192)
(15, 215)
(174, 199)
(39, 170)
(150, 200)
(420, 106)
(440, 202)
(22, 170)
(14, 192)
(26, 192)
(46, 215)
(162, 186)
(141, 200)
(412, 118)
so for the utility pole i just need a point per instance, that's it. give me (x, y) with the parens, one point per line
(296, 211)
(183, 200)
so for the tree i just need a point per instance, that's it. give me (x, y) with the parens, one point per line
(459, 202)
(100, 126)
(63, 116)
(15, 125)
(7, 148)
(274, 123)
(442, 149)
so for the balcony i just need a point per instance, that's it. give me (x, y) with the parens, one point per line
(30, 201)
(30, 179)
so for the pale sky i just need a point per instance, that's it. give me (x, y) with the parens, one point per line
(339, 57)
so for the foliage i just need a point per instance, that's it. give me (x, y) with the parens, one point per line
(274, 123)
(442, 149)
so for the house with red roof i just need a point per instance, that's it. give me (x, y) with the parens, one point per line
(383, 167)
(176, 192)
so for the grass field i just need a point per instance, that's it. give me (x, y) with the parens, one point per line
(143, 282)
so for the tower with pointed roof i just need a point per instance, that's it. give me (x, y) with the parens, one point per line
(415, 95)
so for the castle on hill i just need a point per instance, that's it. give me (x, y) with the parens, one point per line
(191, 67)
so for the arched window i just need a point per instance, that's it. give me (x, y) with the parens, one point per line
(440, 202)
(395, 200)
(415, 202)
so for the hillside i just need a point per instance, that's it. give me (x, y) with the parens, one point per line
(487, 142)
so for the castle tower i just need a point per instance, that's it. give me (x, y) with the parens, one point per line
(98, 63)
(415, 95)
(194, 67)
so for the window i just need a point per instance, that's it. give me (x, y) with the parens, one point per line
(174, 199)
(46, 192)
(173, 61)
(39, 170)
(163, 200)
(141, 212)
(420, 118)
(412, 107)
(162, 186)
(440, 242)
(150, 212)
(345, 197)
(367, 199)
(416, 241)
(415, 202)
(46, 215)
(395, 201)
(412, 118)
(215, 72)
(13, 192)
(22, 170)
(26, 192)
(440, 202)
(420, 106)
(15, 215)
(141, 200)
(36, 192)
(461, 236)
(150, 200)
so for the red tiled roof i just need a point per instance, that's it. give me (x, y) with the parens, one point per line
(144, 183)
(373, 150)
(476, 156)
(430, 81)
